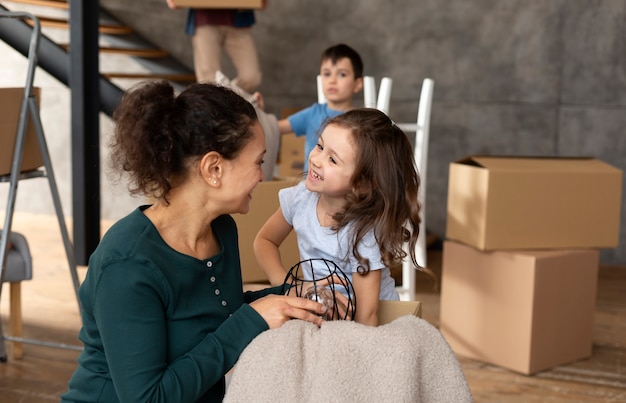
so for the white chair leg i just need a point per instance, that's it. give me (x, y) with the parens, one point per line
(384, 95)
(369, 92)
(321, 99)
(422, 131)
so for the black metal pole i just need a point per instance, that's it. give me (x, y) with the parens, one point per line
(85, 105)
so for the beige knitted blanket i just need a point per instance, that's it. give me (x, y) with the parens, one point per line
(407, 360)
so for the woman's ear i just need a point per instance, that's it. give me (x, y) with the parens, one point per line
(210, 167)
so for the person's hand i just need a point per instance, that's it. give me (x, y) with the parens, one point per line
(339, 307)
(278, 309)
(257, 99)
(171, 5)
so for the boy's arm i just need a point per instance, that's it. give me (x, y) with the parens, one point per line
(284, 126)
(367, 292)
(266, 244)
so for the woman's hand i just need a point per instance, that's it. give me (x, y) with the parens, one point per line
(338, 306)
(278, 309)
(171, 5)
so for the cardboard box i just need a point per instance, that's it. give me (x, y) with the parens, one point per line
(264, 204)
(291, 155)
(10, 105)
(242, 4)
(534, 203)
(526, 311)
(388, 311)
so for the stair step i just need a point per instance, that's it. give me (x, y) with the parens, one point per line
(109, 29)
(177, 77)
(61, 4)
(134, 52)
(144, 53)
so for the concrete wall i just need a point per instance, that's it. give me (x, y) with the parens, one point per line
(512, 77)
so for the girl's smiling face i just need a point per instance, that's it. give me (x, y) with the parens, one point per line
(332, 162)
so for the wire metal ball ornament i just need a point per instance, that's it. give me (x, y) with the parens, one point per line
(322, 289)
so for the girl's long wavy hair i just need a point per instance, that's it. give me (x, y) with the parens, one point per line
(385, 186)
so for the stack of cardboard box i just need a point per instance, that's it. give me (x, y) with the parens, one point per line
(520, 261)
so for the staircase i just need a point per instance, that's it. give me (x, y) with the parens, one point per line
(125, 56)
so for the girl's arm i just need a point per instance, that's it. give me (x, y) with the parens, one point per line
(266, 244)
(367, 291)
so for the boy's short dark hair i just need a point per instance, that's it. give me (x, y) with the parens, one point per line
(334, 53)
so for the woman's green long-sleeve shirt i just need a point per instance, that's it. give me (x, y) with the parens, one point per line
(158, 325)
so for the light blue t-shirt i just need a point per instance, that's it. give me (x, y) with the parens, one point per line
(308, 122)
(298, 206)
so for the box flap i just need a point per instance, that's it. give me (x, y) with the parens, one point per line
(539, 163)
(388, 311)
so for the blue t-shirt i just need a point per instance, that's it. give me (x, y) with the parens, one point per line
(298, 205)
(308, 122)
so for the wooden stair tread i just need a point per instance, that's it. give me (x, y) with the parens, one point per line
(178, 77)
(110, 29)
(61, 4)
(144, 53)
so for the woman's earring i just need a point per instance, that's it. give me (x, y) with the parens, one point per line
(215, 181)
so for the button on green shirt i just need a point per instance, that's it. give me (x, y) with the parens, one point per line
(158, 325)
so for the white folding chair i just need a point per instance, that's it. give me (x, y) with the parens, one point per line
(384, 95)
(369, 93)
(421, 129)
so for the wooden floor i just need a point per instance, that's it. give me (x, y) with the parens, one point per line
(50, 313)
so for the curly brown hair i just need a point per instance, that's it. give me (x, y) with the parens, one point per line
(385, 186)
(159, 135)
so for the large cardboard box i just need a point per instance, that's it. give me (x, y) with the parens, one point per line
(10, 105)
(291, 152)
(264, 204)
(242, 4)
(291, 155)
(526, 311)
(388, 311)
(534, 203)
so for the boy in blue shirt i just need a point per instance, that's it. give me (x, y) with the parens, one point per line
(341, 70)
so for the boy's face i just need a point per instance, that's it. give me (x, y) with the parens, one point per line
(338, 81)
